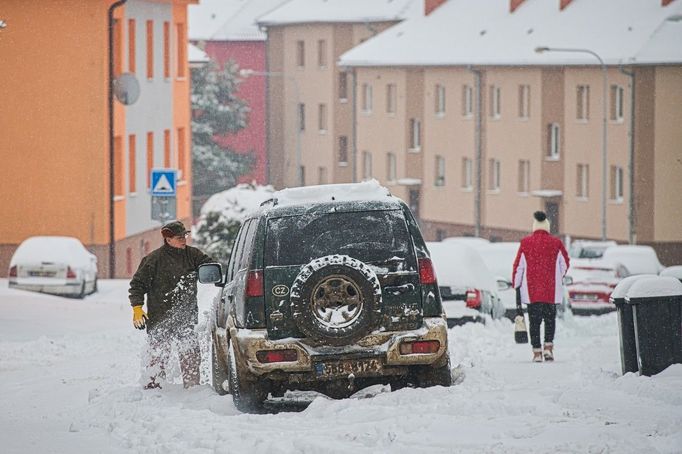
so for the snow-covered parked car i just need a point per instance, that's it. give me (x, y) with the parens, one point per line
(329, 288)
(588, 249)
(468, 288)
(637, 259)
(674, 271)
(54, 264)
(592, 282)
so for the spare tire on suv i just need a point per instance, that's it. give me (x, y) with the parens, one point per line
(336, 299)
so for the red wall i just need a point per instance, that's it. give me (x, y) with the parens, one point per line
(252, 139)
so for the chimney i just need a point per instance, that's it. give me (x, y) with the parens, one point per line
(563, 4)
(666, 2)
(430, 5)
(513, 4)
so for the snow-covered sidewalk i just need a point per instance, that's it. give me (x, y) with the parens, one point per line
(70, 371)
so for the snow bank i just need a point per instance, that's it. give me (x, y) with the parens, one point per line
(237, 202)
(57, 249)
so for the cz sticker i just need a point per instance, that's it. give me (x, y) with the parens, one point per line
(280, 290)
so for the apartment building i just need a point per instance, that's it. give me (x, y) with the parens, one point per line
(483, 112)
(95, 94)
(310, 109)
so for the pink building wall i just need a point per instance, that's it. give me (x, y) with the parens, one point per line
(252, 139)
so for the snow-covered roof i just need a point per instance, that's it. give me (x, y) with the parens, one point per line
(367, 190)
(342, 11)
(196, 55)
(475, 32)
(208, 16)
(242, 26)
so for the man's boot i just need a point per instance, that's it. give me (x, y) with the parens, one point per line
(537, 355)
(548, 351)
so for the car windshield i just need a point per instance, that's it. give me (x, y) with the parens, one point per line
(588, 252)
(377, 237)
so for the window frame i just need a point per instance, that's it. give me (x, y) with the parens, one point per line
(440, 100)
(553, 141)
(467, 174)
(391, 167)
(582, 105)
(367, 94)
(494, 175)
(495, 102)
(583, 182)
(391, 98)
(467, 101)
(300, 54)
(616, 103)
(616, 186)
(343, 150)
(415, 135)
(439, 180)
(523, 187)
(366, 165)
(322, 54)
(524, 101)
(322, 118)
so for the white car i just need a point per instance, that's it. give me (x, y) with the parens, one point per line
(587, 249)
(637, 259)
(467, 286)
(54, 264)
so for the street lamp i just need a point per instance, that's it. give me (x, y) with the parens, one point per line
(604, 125)
(251, 72)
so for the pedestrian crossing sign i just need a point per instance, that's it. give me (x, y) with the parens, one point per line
(164, 182)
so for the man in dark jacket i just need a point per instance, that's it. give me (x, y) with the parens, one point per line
(539, 268)
(168, 276)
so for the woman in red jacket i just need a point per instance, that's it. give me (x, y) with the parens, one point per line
(539, 268)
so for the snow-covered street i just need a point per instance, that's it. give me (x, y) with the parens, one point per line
(70, 383)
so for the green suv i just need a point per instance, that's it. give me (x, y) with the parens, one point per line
(329, 288)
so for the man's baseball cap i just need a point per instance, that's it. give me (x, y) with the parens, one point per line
(173, 228)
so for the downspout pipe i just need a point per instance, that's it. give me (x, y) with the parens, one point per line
(479, 151)
(110, 100)
(632, 228)
(354, 128)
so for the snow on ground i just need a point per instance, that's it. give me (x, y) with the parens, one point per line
(70, 383)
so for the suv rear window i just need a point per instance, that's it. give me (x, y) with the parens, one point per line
(369, 236)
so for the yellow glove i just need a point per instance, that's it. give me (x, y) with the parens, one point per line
(139, 317)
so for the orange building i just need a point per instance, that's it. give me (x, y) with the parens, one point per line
(75, 159)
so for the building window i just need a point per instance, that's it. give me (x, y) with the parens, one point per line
(524, 176)
(343, 86)
(322, 53)
(343, 150)
(467, 174)
(616, 103)
(118, 47)
(366, 165)
(150, 157)
(132, 163)
(182, 154)
(440, 100)
(583, 102)
(617, 183)
(322, 118)
(553, 138)
(129, 261)
(391, 167)
(132, 67)
(583, 183)
(118, 166)
(301, 117)
(494, 174)
(391, 95)
(467, 101)
(300, 54)
(366, 98)
(415, 134)
(524, 101)
(150, 49)
(302, 182)
(166, 50)
(181, 49)
(322, 175)
(495, 106)
(166, 148)
(440, 171)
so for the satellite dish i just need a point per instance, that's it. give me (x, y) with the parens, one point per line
(126, 88)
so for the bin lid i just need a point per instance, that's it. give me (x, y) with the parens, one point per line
(624, 285)
(674, 271)
(654, 288)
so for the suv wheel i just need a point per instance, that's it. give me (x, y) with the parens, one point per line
(336, 299)
(436, 376)
(218, 370)
(247, 396)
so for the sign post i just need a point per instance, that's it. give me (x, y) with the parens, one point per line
(163, 191)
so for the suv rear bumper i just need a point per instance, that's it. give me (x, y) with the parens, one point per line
(384, 346)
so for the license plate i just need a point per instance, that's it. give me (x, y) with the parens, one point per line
(357, 367)
(41, 273)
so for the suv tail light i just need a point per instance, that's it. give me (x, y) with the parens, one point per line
(276, 356)
(427, 275)
(254, 283)
(474, 298)
(409, 348)
(70, 273)
(13, 271)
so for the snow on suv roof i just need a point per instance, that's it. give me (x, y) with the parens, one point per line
(347, 192)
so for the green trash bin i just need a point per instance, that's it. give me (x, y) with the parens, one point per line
(626, 326)
(657, 318)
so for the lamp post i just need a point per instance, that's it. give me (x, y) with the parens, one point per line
(297, 95)
(604, 124)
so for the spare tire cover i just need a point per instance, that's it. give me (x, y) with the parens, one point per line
(336, 299)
